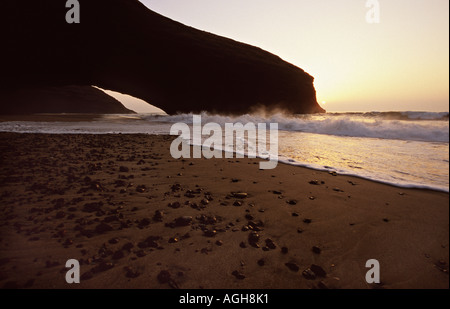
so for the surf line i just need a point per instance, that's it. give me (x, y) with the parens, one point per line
(255, 145)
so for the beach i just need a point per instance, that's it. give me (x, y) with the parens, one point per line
(134, 217)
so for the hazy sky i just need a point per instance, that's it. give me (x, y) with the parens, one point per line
(401, 63)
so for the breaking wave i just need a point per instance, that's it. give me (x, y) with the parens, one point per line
(409, 126)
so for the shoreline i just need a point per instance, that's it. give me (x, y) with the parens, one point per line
(71, 195)
(280, 161)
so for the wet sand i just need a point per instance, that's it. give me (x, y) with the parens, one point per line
(134, 217)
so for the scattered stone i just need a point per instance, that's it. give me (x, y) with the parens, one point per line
(316, 250)
(103, 266)
(174, 205)
(130, 273)
(284, 250)
(158, 216)
(183, 221)
(128, 246)
(319, 271)
(140, 253)
(309, 274)
(307, 221)
(385, 219)
(93, 207)
(173, 240)
(330, 283)
(261, 262)
(238, 275)
(249, 217)
(204, 202)
(270, 244)
(103, 228)
(237, 203)
(338, 190)
(164, 276)
(204, 219)
(276, 192)
(255, 226)
(219, 242)
(143, 223)
(87, 275)
(253, 239)
(242, 245)
(124, 169)
(292, 266)
(295, 214)
(210, 233)
(141, 188)
(118, 255)
(292, 202)
(240, 195)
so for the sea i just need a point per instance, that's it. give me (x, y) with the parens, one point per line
(406, 149)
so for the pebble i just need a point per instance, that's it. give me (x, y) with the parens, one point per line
(183, 221)
(130, 273)
(173, 240)
(319, 271)
(270, 244)
(253, 239)
(309, 274)
(158, 216)
(240, 195)
(292, 266)
(174, 205)
(238, 275)
(124, 169)
(103, 228)
(237, 203)
(210, 233)
(164, 276)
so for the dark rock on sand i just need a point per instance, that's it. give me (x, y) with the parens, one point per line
(239, 275)
(103, 228)
(253, 239)
(319, 271)
(292, 266)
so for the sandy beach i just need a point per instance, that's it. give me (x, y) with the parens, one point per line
(134, 217)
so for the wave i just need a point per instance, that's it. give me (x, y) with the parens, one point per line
(407, 115)
(383, 125)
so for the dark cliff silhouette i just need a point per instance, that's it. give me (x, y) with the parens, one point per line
(62, 99)
(123, 46)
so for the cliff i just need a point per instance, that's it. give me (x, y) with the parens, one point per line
(123, 46)
(62, 99)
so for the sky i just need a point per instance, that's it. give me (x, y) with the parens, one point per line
(400, 63)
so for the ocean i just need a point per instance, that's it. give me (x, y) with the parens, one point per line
(405, 149)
